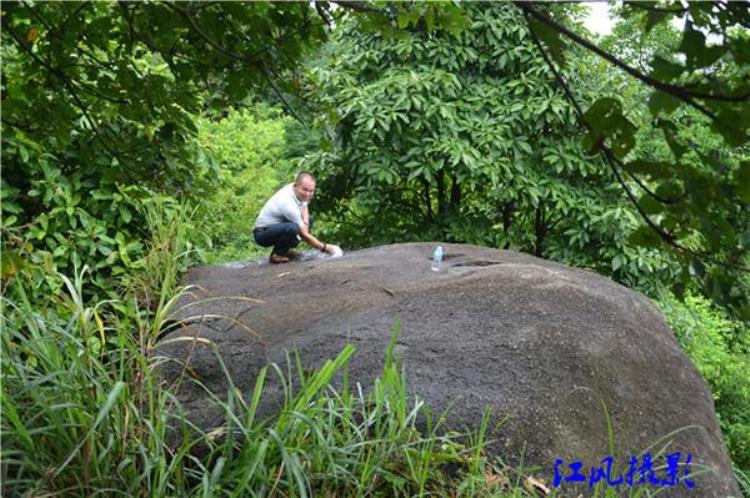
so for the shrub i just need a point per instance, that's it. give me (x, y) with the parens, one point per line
(248, 147)
(720, 349)
(86, 222)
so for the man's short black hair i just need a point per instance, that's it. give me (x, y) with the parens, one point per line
(302, 175)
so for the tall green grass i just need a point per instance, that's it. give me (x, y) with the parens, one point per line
(743, 479)
(170, 249)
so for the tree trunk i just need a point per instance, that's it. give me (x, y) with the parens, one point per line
(540, 229)
(455, 195)
(441, 193)
(427, 202)
(507, 222)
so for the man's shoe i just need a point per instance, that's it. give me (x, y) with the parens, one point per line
(278, 259)
(293, 254)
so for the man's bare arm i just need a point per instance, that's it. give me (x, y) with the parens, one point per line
(310, 239)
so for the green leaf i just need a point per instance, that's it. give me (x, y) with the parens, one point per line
(407, 18)
(733, 125)
(742, 179)
(8, 221)
(236, 85)
(653, 17)
(670, 190)
(606, 121)
(649, 205)
(664, 70)
(662, 103)
(550, 37)
(696, 52)
(11, 263)
(645, 236)
(125, 214)
(671, 135)
(37, 233)
(101, 195)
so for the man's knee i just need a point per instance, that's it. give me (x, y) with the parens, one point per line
(291, 228)
(290, 234)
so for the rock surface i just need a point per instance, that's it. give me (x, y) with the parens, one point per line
(544, 345)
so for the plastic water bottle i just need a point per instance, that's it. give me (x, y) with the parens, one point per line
(437, 258)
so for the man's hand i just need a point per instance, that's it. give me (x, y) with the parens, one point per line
(331, 249)
(334, 250)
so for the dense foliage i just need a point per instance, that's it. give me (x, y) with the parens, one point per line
(249, 149)
(468, 138)
(99, 108)
(684, 198)
(720, 349)
(110, 87)
(118, 86)
(135, 141)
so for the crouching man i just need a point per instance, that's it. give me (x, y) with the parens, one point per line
(285, 220)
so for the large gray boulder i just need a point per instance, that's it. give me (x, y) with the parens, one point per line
(544, 345)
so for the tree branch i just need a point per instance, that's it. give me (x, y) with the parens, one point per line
(96, 93)
(23, 127)
(66, 82)
(75, 13)
(169, 56)
(667, 237)
(676, 91)
(56, 32)
(197, 28)
(639, 182)
(612, 162)
(266, 73)
(324, 14)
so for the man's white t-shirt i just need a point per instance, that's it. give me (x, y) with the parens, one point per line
(283, 206)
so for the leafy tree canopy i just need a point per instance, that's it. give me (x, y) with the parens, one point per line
(99, 101)
(112, 87)
(696, 199)
(467, 138)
